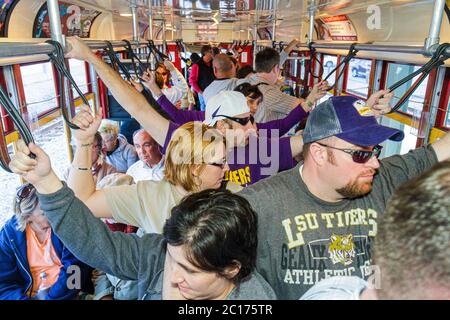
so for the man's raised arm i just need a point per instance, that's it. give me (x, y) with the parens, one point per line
(124, 93)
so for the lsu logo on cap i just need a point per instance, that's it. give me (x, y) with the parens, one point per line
(362, 108)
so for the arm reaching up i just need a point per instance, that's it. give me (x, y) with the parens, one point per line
(125, 94)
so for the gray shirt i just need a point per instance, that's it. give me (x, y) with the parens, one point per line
(336, 288)
(125, 256)
(303, 239)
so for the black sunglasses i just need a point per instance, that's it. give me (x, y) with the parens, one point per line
(241, 121)
(359, 156)
(24, 192)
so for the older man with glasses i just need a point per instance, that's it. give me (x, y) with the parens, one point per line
(320, 219)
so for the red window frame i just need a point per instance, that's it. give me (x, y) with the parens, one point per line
(444, 103)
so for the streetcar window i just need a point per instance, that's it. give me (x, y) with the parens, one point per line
(329, 63)
(39, 88)
(414, 105)
(78, 72)
(358, 77)
(447, 116)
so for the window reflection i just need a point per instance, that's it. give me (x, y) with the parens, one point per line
(358, 77)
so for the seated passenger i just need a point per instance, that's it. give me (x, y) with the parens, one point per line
(100, 168)
(119, 153)
(34, 263)
(412, 250)
(207, 250)
(151, 162)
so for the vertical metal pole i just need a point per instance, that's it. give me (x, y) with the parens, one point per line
(164, 26)
(274, 26)
(133, 8)
(95, 89)
(150, 20)
(255, 35)
(171, 22)
(56, 32)
(55, 21)
(435, 26)
(435, 103)
(312, 12)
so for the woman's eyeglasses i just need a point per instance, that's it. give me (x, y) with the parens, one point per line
(241, 121)
(24, 192)
(220, 165)
(359, 156)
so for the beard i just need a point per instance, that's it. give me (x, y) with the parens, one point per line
(355, 189)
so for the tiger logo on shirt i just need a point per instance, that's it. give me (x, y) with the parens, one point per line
(342, 249)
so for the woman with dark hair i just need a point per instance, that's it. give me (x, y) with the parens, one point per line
(34, 263)
(207, 250)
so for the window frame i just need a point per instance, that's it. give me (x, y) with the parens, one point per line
(371, 79)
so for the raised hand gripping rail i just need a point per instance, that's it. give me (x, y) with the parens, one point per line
(57, 58)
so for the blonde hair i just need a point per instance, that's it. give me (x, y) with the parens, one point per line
(190, 145)
(109, 128)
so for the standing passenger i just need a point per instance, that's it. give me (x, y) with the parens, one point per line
(412, 251)
(321, 218)
(202, 74)
(207, 250)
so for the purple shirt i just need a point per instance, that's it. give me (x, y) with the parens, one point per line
(283, 125)
(262, 157)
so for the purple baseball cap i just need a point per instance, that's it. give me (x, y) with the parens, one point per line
(349, 119)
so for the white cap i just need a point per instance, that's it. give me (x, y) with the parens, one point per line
(225, 103)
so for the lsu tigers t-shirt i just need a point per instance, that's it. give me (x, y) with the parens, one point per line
(303, 239)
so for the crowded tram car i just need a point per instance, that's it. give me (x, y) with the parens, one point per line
(225, 150)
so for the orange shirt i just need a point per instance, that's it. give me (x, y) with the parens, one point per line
(42, 258)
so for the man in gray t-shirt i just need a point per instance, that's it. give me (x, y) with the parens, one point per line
(320, 218)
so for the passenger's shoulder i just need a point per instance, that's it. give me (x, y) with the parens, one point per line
(253, 287)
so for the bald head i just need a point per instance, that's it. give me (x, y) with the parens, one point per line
(223, 66)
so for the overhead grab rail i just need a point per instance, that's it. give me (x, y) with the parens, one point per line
(134, 57)
(350, 55)
(160, 57)
(438, 58)
(20, 124)
(116, 64)
(57, 58)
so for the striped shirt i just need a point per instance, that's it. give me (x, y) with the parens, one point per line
(276, 104)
